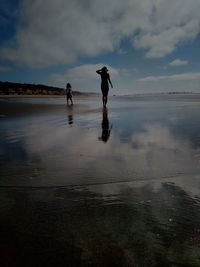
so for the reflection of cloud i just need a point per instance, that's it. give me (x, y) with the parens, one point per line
(84, 223)
(75, 153)
(161, 152)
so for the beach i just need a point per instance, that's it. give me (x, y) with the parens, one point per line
(84, 185)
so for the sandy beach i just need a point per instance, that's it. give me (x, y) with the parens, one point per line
(89, 186)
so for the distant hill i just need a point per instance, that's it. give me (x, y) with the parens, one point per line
(9, 88)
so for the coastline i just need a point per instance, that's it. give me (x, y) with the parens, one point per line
(32, 96)
(49, 96)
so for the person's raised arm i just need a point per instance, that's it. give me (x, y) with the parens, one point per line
(99, 71)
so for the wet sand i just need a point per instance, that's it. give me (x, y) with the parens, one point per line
(85, 186)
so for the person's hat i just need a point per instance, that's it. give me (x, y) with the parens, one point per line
(104, 68)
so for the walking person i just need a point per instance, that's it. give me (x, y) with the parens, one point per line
(105, 80)
(69, 93)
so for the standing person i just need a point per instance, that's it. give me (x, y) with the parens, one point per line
(105, 78)
(69, 93)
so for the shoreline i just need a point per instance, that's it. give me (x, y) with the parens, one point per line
(46, 96)
(30, 96)
(98, 94)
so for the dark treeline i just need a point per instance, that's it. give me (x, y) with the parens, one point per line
(9, 88)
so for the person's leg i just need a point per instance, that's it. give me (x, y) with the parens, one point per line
(104, 95)
(106, 99)
(103, 99)
(67, 100)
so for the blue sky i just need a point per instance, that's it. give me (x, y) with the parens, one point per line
(147, 45)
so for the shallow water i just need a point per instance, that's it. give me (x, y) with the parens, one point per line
(86, 186)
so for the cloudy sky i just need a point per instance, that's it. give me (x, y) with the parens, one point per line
(148, 45)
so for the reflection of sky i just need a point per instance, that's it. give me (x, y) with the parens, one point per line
(149, 140)
(138, 223)
(137, 194)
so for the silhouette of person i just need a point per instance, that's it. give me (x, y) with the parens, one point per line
(106, 129)
(69, 93)
(70, 115)
(105, 78)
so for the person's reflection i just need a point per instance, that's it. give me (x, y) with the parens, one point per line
(70, 115)
(106, 129)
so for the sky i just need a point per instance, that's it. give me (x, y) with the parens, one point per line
(147, 45)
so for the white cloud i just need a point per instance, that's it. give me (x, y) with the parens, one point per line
(163, 42)
(178, 62)
(128, 72)
(83, 73)
(175, 77)
(122, 51)
(59, 32)
(85, 78)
